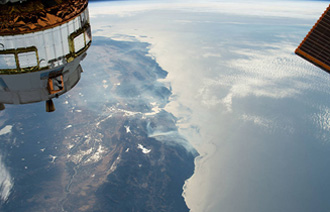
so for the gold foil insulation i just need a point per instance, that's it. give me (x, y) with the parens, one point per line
(37, 15)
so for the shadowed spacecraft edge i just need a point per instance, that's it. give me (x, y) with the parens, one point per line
(42, 43)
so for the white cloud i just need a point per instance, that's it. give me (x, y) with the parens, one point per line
(322, 121)
(128, 130)
(144, 150)
(258, 120)
(6, 130)
(97, 156)
(69, 126)
(208, 55)
(272, 71)
(6, 182)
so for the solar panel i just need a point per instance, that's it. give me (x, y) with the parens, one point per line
(315, 48)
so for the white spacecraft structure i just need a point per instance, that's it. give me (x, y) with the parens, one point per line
(42, 43)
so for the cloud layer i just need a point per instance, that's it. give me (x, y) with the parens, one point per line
(6, 182)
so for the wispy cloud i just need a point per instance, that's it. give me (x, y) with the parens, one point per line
(272, 71)
(322, 121)
(6, 182)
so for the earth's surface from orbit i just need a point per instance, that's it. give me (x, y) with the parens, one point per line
(198, 105)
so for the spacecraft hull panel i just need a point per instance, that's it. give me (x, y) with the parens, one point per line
(34, 87)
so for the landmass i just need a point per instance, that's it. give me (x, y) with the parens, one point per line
(110, 145)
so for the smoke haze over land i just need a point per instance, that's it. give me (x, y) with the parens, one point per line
(256, 113)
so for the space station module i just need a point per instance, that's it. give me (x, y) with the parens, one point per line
(42, 43)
